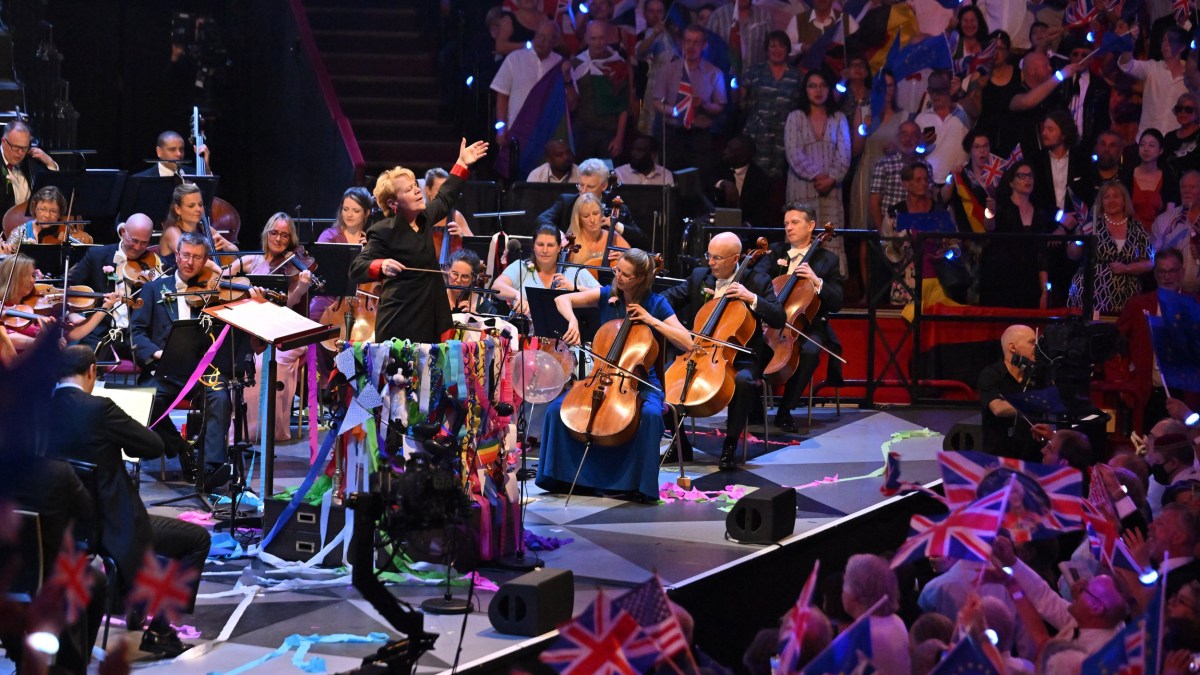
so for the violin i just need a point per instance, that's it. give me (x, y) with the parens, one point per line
(138, 273)
(463, 294)
(298, 261)
(208, 289)
(69, 229)
(18, 317)
(46, 299)
(603, 408)
(800, 304)
(701, 382)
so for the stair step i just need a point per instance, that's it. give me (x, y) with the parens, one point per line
(377, 64)
(395, 108)
(344, 4)
(432, 153)
(420, 129)
(361, 18)
(396, 42)
(384, 85)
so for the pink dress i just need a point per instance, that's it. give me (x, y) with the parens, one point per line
(287, 372)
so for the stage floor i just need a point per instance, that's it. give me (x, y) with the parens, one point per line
(615, 543)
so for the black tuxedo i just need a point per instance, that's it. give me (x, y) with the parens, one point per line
(1079, 162)
(825, 264)
(93, 429)
(688, 297)
(559, 215)
(30, 169)
(150, 325)
(754, 199)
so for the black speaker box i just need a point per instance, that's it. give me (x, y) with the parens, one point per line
(965, 435)
(300, 538)
(533, 603)
(762, 517)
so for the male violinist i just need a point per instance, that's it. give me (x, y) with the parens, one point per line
(19, 168)
(724, 253)
(151, 325)
(593, 178)
(100, 267)
(169, 151)
(799, 221)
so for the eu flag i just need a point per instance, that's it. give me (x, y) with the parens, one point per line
(1176, 337)
(932, 52)
(966, 657)
(1038, 404)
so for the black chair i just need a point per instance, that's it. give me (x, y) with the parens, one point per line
(533, 199)
(32, 573)
(86, 471)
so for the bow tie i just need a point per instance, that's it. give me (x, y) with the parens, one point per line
(11, 167)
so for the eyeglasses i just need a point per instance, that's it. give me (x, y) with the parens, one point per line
(279, 235)
(188, 257)
(718, 258)
(621, 273)
(137, 242)
(460, 276)
(1184, 109)
(1024, 175)
(18, 148)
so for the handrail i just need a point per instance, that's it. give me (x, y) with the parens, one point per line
(332, 102)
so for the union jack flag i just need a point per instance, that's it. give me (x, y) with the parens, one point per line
(891, 474)
(795, 622)
(992, 171)
(966, 533)
(163, 588)
(1048, 500)
(1080, 13)
(969, 63)
(683, 103)
(1183, 9)
(1079, 207)
(1017, 155)
(71, 573)
(604, 639)
(648, 605)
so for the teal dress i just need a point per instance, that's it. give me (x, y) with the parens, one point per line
(632, 467)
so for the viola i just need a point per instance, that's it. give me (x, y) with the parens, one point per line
(47, 299)
(701, 382)
(801, 305)
(603, 408)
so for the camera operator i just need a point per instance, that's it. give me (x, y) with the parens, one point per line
(1005, 432)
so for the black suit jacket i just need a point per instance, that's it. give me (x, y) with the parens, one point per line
(1181, 576)
(825, 264)
(687, 298)
(51, 489)
(559, 215)
(28, 167)
(755, 198)
(95, 430)
(151, 324)
(1079, 163)
(90, 272)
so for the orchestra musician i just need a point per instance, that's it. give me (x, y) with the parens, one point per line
(151, 325)
(454, 222)
(464, 271)
(95, 430)
(724, 252)
(47, 206)
(411, 305)
(799, 221)
(169, 149)
(279, 239)
(22, 162)
(20, 269)
(540, 272)
(633, 467)
(134, 235)
(587, 224)
(350, 227)
(185, 215)
(593, 179)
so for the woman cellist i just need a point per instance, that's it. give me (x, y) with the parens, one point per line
(47, 206)
(20, 269)
(185, 215)
(449, 231)
(588, 226)
(542, 271)
(632, 467)
(279, 239)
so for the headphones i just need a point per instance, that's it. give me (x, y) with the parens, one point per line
(1019, 362)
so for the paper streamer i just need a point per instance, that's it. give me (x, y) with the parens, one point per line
(302, 643)
(195, 376)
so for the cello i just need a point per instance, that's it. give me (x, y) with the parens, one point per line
(701, 382)
(801, 305)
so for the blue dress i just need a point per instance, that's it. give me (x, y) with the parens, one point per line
(632, 467)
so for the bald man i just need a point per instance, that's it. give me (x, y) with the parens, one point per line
(703, 284)
(134, 237)
(1005, 432)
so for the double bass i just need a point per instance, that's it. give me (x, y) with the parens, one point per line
(223, 218)
(800, 304)
(701, 382)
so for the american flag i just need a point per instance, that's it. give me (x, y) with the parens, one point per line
(795, 622)
(163, 588)
(683, 102)
(992, 171)
(71, 573)
(648, 606)
(966, 533)
(1051, 497)
(1080, 13)
(604, 639)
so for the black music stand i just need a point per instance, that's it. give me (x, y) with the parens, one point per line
(151, 195)
(186, 343)
(548, 323)
(54, 259)
(310, 229)
(97, 191)
(333, 261)
(748, 235)
(271, 282)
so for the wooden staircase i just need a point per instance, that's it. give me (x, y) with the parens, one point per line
(384, 70)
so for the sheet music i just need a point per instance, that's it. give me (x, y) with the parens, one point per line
(137, 402)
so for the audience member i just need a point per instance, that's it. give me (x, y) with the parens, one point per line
(770, 91)
(1172, 458)
(1152, 186)
(1013, 273)
(523, 68)
(1178, 229)
(743, 26)
(690, 95)
(643, 167)
(943, 126)
(655, 49)
(1180, 146)
(740, 183)
(599, 90)
(1162, 81)
(560, 166)
(1123, 253)
(868, 580)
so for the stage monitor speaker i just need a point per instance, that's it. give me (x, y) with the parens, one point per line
(533, 603)
(762, 517)
(966, 435)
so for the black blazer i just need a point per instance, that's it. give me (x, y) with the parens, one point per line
(687, 299)
(755, 198)
(1078, 165)
(51, 489)
(90, 272)
(825, 264)
(95, 430)
(559, 215)
(151, 324)
(28, 167)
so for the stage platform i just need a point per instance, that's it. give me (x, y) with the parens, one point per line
(615, 544)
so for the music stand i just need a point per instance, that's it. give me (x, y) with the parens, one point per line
(310, 228)
(53, 259)
(271, 282)
(748, 235)
(663, 284)
(282, 329)
(97, 191)
(548, 323)
(186, 343)
(151, 195)
(333, 262)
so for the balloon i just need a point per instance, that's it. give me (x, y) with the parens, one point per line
(537, 376)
